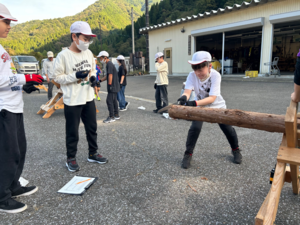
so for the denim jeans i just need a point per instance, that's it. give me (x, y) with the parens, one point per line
(121, 97)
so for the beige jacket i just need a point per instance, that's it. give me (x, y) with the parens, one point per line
(162, 73)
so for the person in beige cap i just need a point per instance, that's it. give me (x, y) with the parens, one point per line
(12, 133)
(48, 71)
(75, 71)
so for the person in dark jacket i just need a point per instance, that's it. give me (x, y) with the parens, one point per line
(123, 82)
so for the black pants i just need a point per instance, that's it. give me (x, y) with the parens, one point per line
(12, 152)
(50, 88)
(87, 113)
(195, 130)
(161, 96)
(112, 104)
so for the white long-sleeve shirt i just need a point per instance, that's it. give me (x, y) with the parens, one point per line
(48, 68)
(11, 97)
(66, 65)
(162, 73)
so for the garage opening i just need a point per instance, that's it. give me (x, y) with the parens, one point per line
(242, 50)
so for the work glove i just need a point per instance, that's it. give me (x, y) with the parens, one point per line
(109, 88)
(98, 84)
(29, 87)
(93, 81)
(34, 78)
(121, 86)
(155, 86)
(191, 103)
(298, 55)
(182, 100)
(82, 74)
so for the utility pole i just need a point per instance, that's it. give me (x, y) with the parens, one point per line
(147, 36)
(132, 28)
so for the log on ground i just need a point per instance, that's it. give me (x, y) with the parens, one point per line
(234, 117)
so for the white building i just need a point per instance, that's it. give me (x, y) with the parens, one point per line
(251, 33)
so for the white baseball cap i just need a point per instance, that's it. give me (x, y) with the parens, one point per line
(158, 55)
(50, 54)
(103, 53)
(200, 57)
(82, 28)
(5, 13)
(120, 57)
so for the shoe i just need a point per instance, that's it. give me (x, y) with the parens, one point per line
(126, 105)
(109, 120)
(117, 117)
(72, 165)
(97, 158)
(122, 109)
(155, 110)
(237, 156)
(24, 191)
(12, 206)
(98, 99)
(186, 162)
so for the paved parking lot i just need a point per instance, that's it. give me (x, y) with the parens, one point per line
(143, 182)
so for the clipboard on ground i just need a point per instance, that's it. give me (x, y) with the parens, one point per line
(78, 185)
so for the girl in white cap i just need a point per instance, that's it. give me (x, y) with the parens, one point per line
(123, 82)
(206, 82)
(12, 134)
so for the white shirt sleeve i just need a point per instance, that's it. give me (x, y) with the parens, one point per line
(215, 89)
(189, 84)
(11, 81)
(59, 72)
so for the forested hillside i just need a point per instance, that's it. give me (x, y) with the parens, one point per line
(112, 16)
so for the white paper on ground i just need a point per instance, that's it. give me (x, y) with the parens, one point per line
(23, 182)
(142, 108)
(166, 115)
(77, 185)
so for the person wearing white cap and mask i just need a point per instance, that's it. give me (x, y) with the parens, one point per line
(75, 71)
(48, 71)
(161, 83)
(12, 134)
(206, 82)
(113, 87)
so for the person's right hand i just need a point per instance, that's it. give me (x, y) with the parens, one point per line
(34, 78)
(155, 86)
(182, 100)
(109, 87)
(82, 74)
(30, 87)
(48, 80)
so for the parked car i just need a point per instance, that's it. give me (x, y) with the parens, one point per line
(26, 64)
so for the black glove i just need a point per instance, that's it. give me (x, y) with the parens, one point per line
(182, 100)
(93, 81)
(155, 86)
(109, 88)
(82, 74)
(29, 87)
(121, 86)
(98, 84)
(191, 103)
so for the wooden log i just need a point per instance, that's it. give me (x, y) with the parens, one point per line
(234, 117)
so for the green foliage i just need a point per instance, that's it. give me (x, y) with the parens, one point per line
(110, 21)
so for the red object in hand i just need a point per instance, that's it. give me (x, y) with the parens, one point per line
(34, 77)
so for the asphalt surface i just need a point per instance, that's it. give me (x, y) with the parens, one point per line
(143, 182)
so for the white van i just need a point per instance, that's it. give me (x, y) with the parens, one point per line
(26, 64)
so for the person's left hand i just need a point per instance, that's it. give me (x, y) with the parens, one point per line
(93, 81)
(29, 87)
(121, 86)
(191, 103)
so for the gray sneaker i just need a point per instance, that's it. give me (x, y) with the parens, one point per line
(109, 120)
(186, 162)
(237, 156)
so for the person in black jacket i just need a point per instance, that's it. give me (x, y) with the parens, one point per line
(296, 94)
(123, 82)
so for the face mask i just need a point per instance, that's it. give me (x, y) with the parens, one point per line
(103, 61)
(83, 46)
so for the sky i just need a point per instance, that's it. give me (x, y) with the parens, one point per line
(26, 10)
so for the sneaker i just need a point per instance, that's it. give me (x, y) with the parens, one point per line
(126, 105)
(12, 206)
(186, 162)
(72, 165)
(237, 156)
(24, 191)
(109, 120)
(117, 117)
(122, 109)
(155, 110)
(98, 99)
(97, 158)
